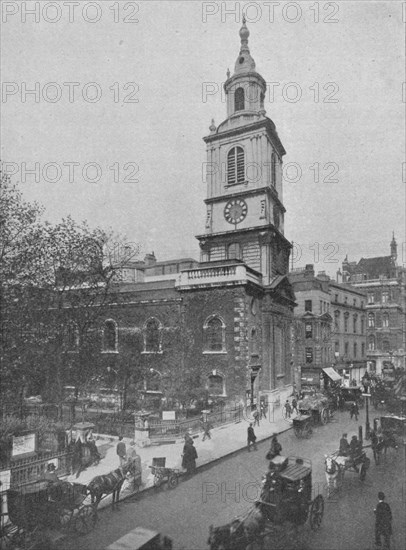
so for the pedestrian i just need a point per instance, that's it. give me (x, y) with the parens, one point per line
(383, 521)
(206, 430)
(344, 447)
(263, 409)
(275, 450)
(256, 417)
(294, 405)
(135, 460)
(374, 446)
(288, 409)
(121, 451)
(354, 410)
(189, 456)
(251, 438)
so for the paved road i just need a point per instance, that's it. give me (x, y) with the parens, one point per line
(227, 489)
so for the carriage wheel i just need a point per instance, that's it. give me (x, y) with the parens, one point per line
(86, 520)
(363, 472)
(65, 517)
(158, 480)
(173, 480)
(316, 512)
(324, 416)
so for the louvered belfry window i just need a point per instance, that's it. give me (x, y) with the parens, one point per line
(239, 102)
(235, 166)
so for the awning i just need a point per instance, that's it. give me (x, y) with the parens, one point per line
(331, 373)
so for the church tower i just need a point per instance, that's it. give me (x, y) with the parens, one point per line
(393, 248)
(245, 212)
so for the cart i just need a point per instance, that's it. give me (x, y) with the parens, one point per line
(350, 395)
(40, 512)
(317, 407)
(302, 426)
(286, 495)
(162, 474)
(141, 539)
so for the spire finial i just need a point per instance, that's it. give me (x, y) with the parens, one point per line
(228, 73)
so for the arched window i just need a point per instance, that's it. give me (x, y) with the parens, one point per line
(354, 323)
(235, 166)
(371, 320)
(355, 349)
(239, 100)
(254, 342)
(216, 384)
(385, 346)
(152, 336)
(215, 334)
(72, 336)
(362, 325)
(385, 320)
(371, 343)
(234, 251)
(110, 335)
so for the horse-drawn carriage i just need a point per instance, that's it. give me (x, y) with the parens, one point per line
(142, 539)
(316, 408)
(40, 512)
(286, 495)
(336, 465)
(350, 395)
(389, 433)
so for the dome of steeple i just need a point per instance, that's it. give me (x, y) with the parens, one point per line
(245, 62)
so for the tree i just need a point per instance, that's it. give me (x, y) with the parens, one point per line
(56, 285)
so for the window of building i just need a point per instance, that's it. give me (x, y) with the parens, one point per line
(385, 297)
(354, 324)
(371, 320)
(72, 336)
(309, 355)
(355, 349)
(215, 334)
(254, 342)
(273, 169)
(363, 349)
(371, 298)
(345, 299)
(308, 305)
(346, 315)
(239, 99)
(153, 381)
(215, 384)
(371, 343)
(385, 346)
(110, 336)
(336, 297)
(385, 320)
(336, 347)
(309, 330)
(346, 348)
(362, 325)
(152, 336)
(234, 251)
(235, 166)
(362, 304)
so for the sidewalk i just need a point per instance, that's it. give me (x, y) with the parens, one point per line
(225, 440)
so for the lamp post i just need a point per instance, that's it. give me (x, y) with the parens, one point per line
(367, 426)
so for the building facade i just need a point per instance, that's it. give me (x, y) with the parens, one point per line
(330, 328)
(221, 326)
(384, 283)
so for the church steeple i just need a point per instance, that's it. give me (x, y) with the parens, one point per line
(393, 248)
(245, 62)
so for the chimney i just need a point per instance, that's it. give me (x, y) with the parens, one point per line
(150, 259)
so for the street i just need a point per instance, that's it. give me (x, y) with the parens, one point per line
(227, 489)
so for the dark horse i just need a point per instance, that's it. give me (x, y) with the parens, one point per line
(382, 443)
(110, 483)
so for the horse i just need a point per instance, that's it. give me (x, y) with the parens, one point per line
(239, 534)
(334, 475)
(110, 483)
(386, 440)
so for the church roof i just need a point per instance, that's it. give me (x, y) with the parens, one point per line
(374, 267)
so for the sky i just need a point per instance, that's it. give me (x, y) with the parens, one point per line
(124, 92)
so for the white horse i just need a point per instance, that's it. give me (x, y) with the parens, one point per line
(334, 474)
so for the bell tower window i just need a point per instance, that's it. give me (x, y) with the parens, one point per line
(239, 101)
(235, 166)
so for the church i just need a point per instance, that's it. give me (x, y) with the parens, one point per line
(222, 325)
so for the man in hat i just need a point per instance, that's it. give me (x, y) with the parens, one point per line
(383, 521)
(121, 451)
(251, 438)
(135, 460)
(344, 449)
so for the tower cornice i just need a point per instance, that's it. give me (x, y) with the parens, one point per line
(248, 192)
(264, 123)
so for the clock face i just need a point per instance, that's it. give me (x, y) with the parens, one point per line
(235, 211)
